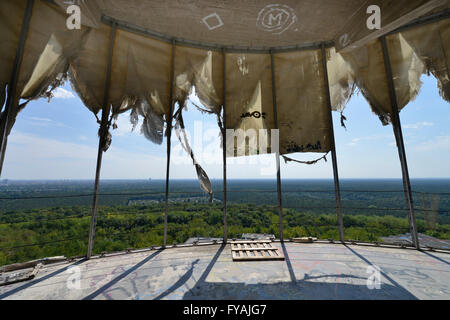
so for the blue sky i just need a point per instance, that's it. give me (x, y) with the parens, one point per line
(58, 140)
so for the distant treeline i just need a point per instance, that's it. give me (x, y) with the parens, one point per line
(37, 233)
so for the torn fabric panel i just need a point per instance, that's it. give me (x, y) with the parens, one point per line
(11, 18)
(141, 81)
(249, 103)
(367, 65)
(49, 71)
(140, 70)
(153, 124)
(203, 70)
(369, 71)
(341, 80)
(303, 113)
(48, 48)
(88, 68)
(431, 44)
(407, 68)
(180, 131)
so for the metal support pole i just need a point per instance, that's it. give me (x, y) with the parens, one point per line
(169, 136)
(277, 155)
(396, 125)
(12, 86)
(106, 108)
(224, 148)
(337, 188)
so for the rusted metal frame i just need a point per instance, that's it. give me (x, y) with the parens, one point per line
(12, 85)
(396, 125)
(106, 109)
(337, 188)
(277, 155)
(169, 136)
(224, 147)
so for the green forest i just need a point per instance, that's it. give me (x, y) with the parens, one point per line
(64, 230)
(51, 218)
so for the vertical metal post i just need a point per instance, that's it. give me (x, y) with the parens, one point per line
(106, 108)
(12, 85)
(337, 188)
(169, 136)
(275, 119)
(224, 148)
(396, 125)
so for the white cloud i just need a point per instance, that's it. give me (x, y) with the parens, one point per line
(440, 143)
(21, 144)
(418, 125)
(373, 137)
(33, 157)
(40, 119)
(354, 142)
(44, 122)
(61, 93)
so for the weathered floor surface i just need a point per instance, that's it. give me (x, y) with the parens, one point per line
(311, 271)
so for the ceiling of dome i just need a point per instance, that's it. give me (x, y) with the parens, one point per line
(261, 23)
(252, 23)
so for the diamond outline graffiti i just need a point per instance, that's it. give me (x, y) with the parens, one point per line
(212, 27)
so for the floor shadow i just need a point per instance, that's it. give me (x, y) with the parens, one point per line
(309, 288)
(202, 280)
(395, 283)
(288, 263)
(305, 289)
(211, 264)
(317, 285)
(121, 276)
(180, 282)
(36, 281)
(435, 257)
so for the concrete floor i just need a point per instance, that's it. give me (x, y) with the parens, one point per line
(311, 271)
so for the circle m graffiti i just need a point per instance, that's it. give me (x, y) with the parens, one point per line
(276, 18)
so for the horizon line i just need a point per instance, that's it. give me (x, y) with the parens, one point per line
(194, 179)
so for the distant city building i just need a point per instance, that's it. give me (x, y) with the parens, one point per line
(143, 202)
